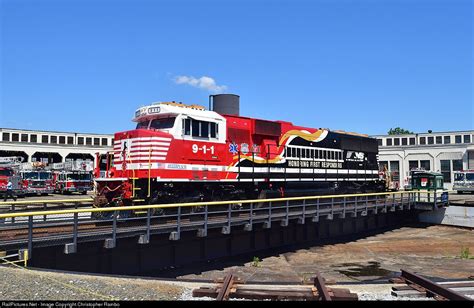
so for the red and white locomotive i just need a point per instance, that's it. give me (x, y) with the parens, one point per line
(185, 153)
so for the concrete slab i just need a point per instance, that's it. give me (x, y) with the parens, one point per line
(461, 216)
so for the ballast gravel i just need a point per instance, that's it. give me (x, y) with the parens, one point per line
(24, 284)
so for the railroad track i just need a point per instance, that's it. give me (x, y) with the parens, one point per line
(233, 287)
(419, 286)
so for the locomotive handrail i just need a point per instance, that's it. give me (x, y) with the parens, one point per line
(195, 204)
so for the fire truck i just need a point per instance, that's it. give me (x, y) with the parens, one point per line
(73, 176)
(37, 178)
(9, 170)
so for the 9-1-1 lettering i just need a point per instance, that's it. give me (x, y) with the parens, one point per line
(204, 149)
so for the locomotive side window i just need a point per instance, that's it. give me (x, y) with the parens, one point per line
(200, 129)
(214, 130)
(187, 127)
(204, 129)
(195, 128)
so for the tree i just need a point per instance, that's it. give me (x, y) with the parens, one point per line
(399, 131)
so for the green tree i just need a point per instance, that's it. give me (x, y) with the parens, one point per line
(399, 131)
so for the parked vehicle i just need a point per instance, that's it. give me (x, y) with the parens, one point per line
(464, 181)
(9, 171)
(74, 176)
(37, 179)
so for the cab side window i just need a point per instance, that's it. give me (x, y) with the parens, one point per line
(187, 127)
(200, 129)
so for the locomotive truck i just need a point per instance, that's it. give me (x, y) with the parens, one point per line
(185, 153)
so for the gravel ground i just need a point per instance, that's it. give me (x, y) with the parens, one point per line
(21, 284)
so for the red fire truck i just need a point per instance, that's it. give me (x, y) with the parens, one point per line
(9, 170)
(37, 178)
(73, 176)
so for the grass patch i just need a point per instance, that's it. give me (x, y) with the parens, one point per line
(256, 262)
(465, 254)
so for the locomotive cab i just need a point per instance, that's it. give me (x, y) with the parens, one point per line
(187, 122)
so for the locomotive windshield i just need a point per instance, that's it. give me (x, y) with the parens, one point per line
(143, 125)
(162, 123)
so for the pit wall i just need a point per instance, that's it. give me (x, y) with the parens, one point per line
(460, 216)
(131, 258)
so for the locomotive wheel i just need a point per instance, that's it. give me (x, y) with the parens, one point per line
(155, 212)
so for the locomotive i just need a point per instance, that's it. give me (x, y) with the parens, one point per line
(186, 153)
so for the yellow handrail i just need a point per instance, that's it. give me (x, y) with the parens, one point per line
(210, 203)
(149, 172)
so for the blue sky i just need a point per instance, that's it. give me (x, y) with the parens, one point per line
(363, 66)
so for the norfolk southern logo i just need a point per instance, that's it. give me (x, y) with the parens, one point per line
(355, 156)
(233, 148)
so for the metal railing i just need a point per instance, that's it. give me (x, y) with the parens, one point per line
(70, 226)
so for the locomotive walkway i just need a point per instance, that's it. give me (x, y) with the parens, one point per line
(23, 231)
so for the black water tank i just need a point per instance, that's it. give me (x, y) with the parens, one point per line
(226, 104)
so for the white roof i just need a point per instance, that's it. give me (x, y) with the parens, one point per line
(193, 111)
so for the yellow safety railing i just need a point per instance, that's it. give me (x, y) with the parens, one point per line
(198, 204)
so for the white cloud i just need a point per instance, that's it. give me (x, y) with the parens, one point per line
(206, 83)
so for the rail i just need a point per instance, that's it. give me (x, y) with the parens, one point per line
(19, 230)
(432, 288)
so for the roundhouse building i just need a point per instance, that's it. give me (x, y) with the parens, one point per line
(51, 146)
(443, 152)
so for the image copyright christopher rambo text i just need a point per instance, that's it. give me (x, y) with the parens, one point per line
(26, 304)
